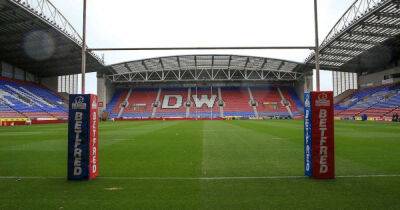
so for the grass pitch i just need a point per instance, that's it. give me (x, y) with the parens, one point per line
(201, 165)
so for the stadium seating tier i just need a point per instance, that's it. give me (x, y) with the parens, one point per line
(173, 102)
(19, 99)
(381, 101)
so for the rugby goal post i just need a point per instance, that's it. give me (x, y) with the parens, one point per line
(92, 125)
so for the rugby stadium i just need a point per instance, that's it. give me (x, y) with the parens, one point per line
(198, 131)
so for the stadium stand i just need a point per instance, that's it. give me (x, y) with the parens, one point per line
(269, 102)
(395, 111)
(140, 103)
(114, 105)
(173, 102)
(210, 102)
(7, 112)
(29, 100)
(237, 102)
(291, 94)
(201, 109)
(378, 101)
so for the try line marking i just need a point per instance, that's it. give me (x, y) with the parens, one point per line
(206, 178)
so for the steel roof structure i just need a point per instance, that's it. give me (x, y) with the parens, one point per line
(366, 38)
(206, 68)
(38, 27)
(368, 30)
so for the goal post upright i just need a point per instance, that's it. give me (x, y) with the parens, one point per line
(83, 120)
(317, 58)
(319, 137)
(84, 49)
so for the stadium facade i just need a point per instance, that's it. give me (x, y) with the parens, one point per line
(41, 61)
(205, 86)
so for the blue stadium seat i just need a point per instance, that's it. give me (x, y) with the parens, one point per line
(30, 100)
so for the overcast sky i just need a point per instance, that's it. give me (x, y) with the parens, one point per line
(160, 23)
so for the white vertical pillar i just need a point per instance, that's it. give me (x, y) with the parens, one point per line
(84, 48)
(317, 64)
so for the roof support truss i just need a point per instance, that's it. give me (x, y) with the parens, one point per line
(204, 75)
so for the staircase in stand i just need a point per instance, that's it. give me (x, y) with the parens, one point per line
(126, 103)
(189, 94)
(252, 99)
(221, 108)
(153, 114)
(283, 99)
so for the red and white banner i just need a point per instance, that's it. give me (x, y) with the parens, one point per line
(94, 134)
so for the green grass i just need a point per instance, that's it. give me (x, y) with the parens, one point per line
(182, 150)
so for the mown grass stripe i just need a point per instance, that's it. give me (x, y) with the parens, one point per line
(208, 178)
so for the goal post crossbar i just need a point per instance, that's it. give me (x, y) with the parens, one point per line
(204, 48)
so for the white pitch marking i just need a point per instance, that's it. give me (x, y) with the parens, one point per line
(367, 176)
(122, 139)
(113, 188)
(277, 138)
(20, 133)
(207, 178)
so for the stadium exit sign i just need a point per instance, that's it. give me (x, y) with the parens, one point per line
(319, 145)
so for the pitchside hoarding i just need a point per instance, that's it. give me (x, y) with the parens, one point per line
(83, 137)
(319, 159)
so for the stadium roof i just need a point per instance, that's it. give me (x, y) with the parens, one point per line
(365, 38)
(36, 37)
(206, 68)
